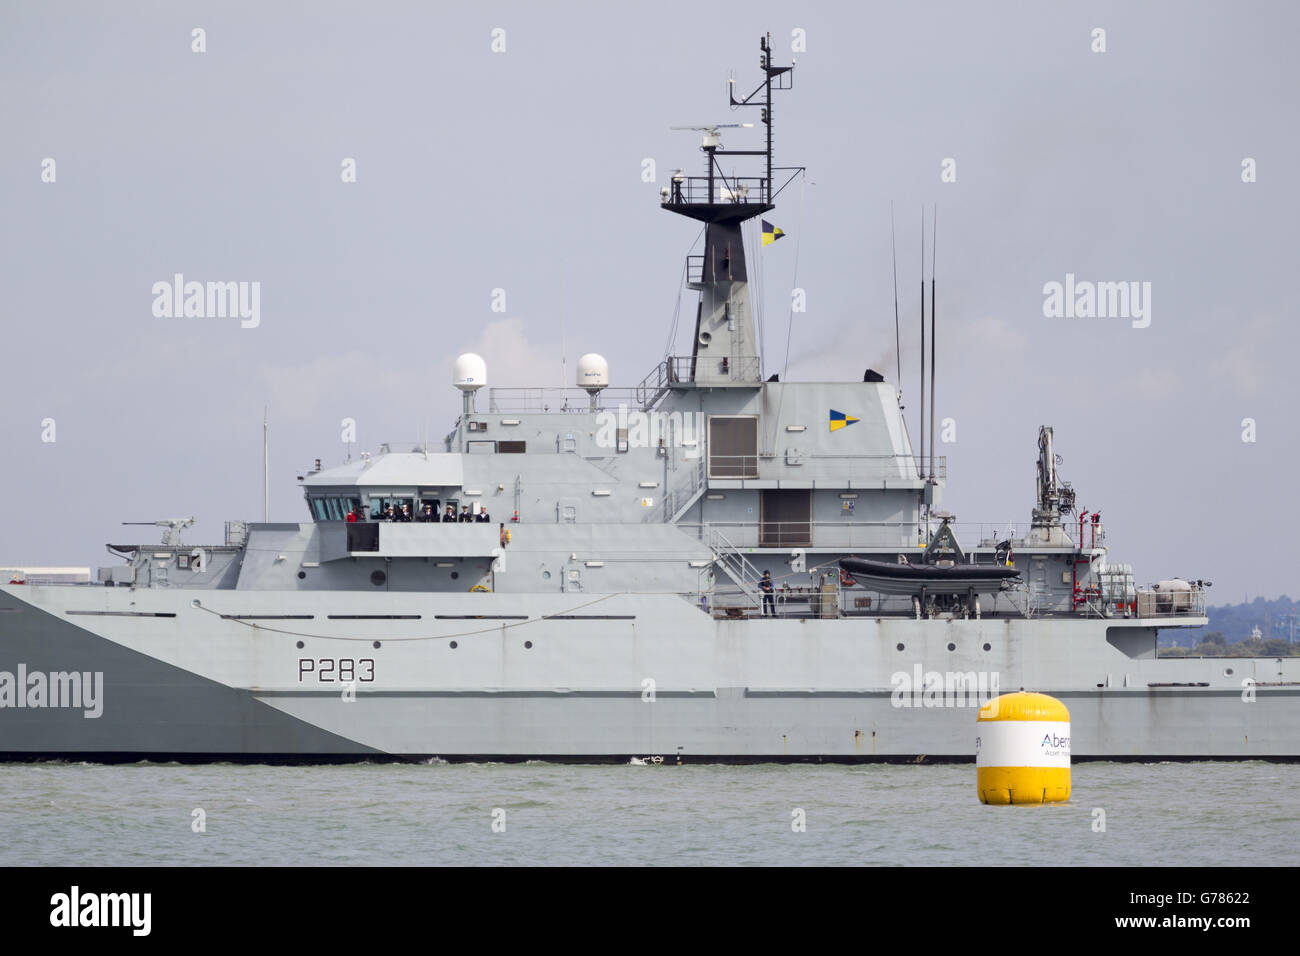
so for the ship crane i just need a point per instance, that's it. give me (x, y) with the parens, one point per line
(1055, 497)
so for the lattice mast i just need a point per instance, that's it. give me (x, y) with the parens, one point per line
(725, 347)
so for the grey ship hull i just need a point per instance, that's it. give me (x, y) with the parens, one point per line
(179, 687)
(574, 627)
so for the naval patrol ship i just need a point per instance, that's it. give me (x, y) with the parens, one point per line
(711, 565)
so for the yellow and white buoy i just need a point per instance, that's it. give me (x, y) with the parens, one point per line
(1022, 750)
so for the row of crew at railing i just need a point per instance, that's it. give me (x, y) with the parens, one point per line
(397, 508)
(426, 514)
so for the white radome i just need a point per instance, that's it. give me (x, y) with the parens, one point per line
(470, 372)
(593, 371)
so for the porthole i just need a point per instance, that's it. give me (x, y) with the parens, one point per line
(988, 647)
(528, 644)
(376, 645)
(377, 578)
(455, 575)
(899, 646)
(301, 575)
(546, 575)
(952, 647)
(1227, 672)
(300, 645)
(453, 645)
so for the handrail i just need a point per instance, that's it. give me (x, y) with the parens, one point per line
(680, 370)
(846, 534)
(671, 371)
(554, 399)
(1154, 602)
(674, 497)
(859, 467)
(728, 555)
(718, 189)
(920, 466)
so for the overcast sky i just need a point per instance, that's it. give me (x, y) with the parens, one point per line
(521, 170)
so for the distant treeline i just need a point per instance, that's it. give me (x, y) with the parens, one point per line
(1278, 621)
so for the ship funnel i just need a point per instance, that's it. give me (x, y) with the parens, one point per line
(593, 374)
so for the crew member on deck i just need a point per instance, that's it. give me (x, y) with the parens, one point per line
(427, 514)
(769, 593)
(482, 516)
(464, 514)
(450, 514)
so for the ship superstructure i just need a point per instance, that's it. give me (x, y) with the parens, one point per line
(599, 591)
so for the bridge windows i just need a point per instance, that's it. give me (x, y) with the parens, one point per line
(332, 508)
(733, 446)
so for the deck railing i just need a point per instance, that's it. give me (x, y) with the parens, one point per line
(1157, 602)
(557, 400)
(840, 535)
(725, 189)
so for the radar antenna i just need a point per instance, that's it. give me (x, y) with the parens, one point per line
(712, 137)
(697, 196)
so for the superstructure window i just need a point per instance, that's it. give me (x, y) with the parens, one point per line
(363, 536)
(785, 518)
(733, 446)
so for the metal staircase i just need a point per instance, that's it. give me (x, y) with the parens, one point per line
(679, 500)
(669, 373)
(737, 567)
